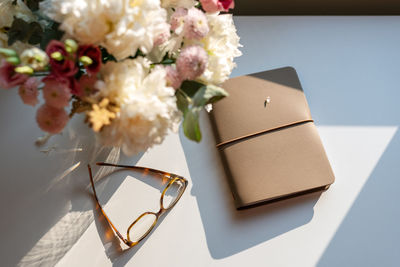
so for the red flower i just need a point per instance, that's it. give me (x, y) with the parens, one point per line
(87, 85)
(94, 53)
(65, 67)
(8, 77)
(75, 87)
(227, 4)
(217, 5)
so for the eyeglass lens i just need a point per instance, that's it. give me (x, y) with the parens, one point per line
(172, 194)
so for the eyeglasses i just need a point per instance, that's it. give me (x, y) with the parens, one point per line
(145, 223)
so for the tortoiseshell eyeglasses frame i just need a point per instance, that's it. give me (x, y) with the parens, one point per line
(165, 175)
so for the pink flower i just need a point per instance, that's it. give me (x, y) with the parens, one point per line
(192, 62)
(87, 83)
(51, 119)
(8, 77)
(178, 19)
(65, 67)
(196, 26)
(29, 91)
(173, 78)
(217, 5)
(56, 91)
(94, 53)
(164, 36)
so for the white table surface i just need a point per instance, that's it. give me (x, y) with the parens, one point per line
(349, 68)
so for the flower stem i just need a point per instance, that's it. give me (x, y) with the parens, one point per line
(41, 73)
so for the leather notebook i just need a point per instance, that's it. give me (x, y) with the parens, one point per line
(269, 145)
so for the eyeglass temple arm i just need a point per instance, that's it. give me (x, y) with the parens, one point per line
(102, 210)
(169, 175)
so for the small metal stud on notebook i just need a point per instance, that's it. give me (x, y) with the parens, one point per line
(208, 108)
(267, 101)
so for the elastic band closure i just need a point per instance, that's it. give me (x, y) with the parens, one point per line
(262, 132)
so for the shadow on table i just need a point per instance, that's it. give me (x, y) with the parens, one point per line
(44, 198)
(227, 230)
(369, 235)
(119, 253)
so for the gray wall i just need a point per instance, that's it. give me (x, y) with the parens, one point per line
(317, 7)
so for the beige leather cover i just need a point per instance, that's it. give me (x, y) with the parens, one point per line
(268, 142)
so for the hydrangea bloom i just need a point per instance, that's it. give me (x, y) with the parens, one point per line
(121, 26)
(147, 105)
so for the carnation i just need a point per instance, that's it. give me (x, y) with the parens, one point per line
(56, 91)
(192, 62)
(118, 25)
(196, 26)
(51, 119)
(147, 106)
(173, 78)
(178, 20)
(221, 44)
(29, 91)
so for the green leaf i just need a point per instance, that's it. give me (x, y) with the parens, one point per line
(52, 33)
(168, 61)
(208, 94)
(105, 56)
(35, 33)
(8, 52)
(191, 87)
(190, 124)
(33, 4)
(182, 101)
(17, 31)
(23, 31)
(13, 60)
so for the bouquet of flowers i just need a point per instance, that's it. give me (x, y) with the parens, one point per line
(135, 68)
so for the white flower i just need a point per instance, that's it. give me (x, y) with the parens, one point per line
(35, 58)
(221, 44)
(147, 105)
(178, 3)
(121, 26)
